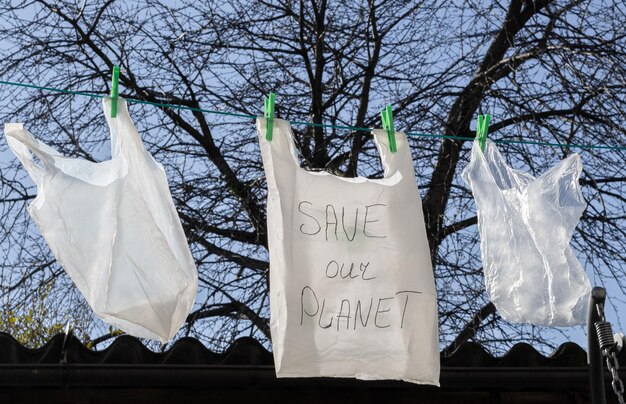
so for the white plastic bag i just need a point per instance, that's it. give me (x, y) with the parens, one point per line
(525, 225)
(114, 229)
(352, 292)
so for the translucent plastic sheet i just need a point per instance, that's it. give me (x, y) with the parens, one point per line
(114, 229)
(525, 225)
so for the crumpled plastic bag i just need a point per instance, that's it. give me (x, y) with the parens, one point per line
(525, 226)
(114, 229)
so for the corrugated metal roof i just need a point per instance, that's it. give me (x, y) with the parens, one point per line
(188, 365)
(247, 351)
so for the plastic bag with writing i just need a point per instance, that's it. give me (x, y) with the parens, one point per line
(525, 225)
(113, 227)
(352, 292)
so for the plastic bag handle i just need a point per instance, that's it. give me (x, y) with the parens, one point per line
(24, 145)
(283, 143)
(125, 139)
(400, 160)
(282, 140)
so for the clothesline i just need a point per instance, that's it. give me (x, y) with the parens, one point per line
(352, 128)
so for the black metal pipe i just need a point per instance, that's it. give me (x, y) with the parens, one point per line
(594, 356)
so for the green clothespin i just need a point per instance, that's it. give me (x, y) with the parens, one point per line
(387, 117)
(482, 129)
(269, 115)
(114, 86)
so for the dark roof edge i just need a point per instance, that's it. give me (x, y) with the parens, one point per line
(237, 377)
(127, 363)
(247, 351)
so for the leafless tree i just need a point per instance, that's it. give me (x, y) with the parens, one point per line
(549, 71)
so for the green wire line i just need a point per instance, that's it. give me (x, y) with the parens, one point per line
(322, 125)
(571, 145)
(208, 111)
(58, 90)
